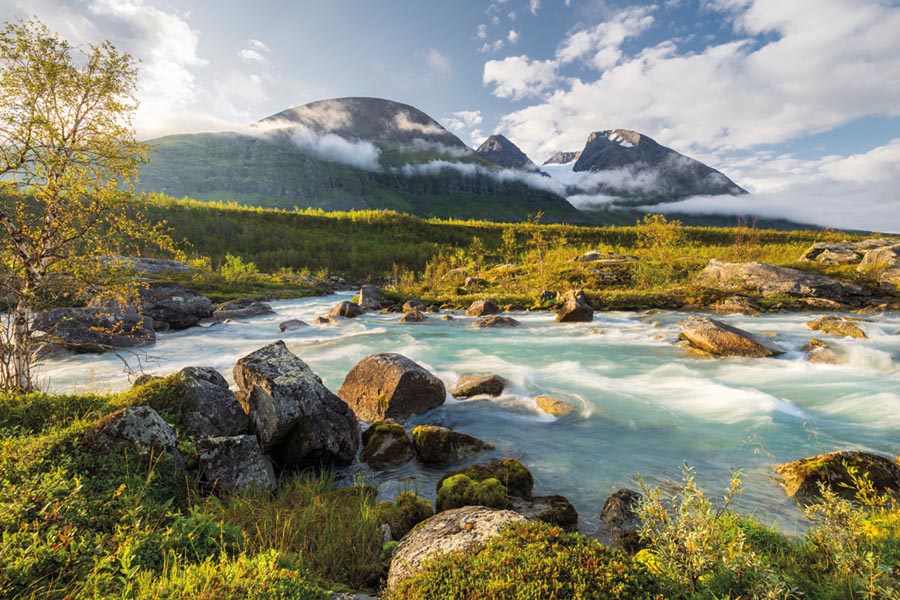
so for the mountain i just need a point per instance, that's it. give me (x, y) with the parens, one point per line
(562, 158)
(638, 170)
(344, 154)
(500, 151)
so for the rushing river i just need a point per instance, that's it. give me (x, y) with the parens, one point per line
(644, 406)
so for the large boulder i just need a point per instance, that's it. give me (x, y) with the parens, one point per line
(139, 427)
(385, 445)
(620, 515)
(836, 471)
(575, 308)
(346, 309)
(370, 297)
(383, 386)
(172, 306)
(438, 445)
(234, 465)
(217, 412)
(482, 308)
(840, 326)
(495, 321)
(88, 330)
(769, 279)
(478, 385)
(243, 308)
(292, 412)
(445, 532)
(885, 257)
(720, 339)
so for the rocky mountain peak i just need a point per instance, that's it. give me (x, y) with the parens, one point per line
(501, 151)
(562, 158)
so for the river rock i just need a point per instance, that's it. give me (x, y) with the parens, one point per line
(370, 297)
(391, 386)
(735, 305)
(413, 305)
(438, 445)
(801, 478)
(553, 406)
(575, 308)
(172, 306)
(495, 321)
(385, 445)
(234, 465)
(821, 352)
(445, 532)
(481, 308)
(620, 514)
(137, 426)
(87, 330)
(217, 411)
(292, 325)
(769, 279)
(243, 308)
(292, 412)
(346, 309)
(840, 326)
(413, 316)
(512, 474)
(720, 339)
(556, 510)
(477, 385)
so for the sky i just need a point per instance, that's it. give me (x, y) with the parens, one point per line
(798, 101)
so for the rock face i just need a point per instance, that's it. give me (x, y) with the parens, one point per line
(495, 321)
(840, 326)
(138, 426)
(446, 532)
(769, 279)
(94, 330)
(720, 339)
(802, 477)
(218, 412)
(885, 257)
(241, 309)
(620, 514)
(385, 445)
(481, 308)
(347, 310)
(370, 297)
(413, 317)
(391, 386)
(292, 412)
(292, 325)
(575, 308)
(562, 158)
(477, 385)
(172, 306)
(439, 446)
(234, 464)
(500, 151)
(553, 406)
(846, 252)
(556, 510)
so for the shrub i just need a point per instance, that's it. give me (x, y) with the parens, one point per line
(235, 269)
(404, 514)
(531, 561)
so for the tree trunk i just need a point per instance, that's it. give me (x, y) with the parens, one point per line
(21, 348)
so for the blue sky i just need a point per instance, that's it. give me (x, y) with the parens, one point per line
(796, 97)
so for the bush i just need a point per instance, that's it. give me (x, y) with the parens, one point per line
(234, 269)
(404, 514)
(531, 561)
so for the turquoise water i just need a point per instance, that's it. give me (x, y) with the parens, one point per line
(644, 406)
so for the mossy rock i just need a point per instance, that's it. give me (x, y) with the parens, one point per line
(511, 473)
(556, 510)
(460, 490)
(405, 513)
(386, 444)
(840, 326)
(438, 445)
(166, 395)
(837, 471)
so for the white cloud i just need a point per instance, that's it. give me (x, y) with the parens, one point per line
(600, 45)
(495, 46)
(331, 147)
(855, 192)
(534, 180)
(821, 64)
(404, 122)
(464, 119)
(438, 64)
(252, 56)
(534, 6)
(512, 36)
(482, 32)
(258, 45)
(519, 77)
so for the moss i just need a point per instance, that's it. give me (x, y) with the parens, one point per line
(511, 473)
(385, 444)
(439, 445)
(840, 472)
(166, 395)
(403, 514)
(460, 490)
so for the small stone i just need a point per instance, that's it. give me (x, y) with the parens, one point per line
(481, 308)
(495, 321)
(413, 316)
(477, 385)
(840, 326)
(292, 325)
(346, 309)
(553, 406)
(413, 305)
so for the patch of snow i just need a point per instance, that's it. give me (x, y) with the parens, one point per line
(626, 144)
